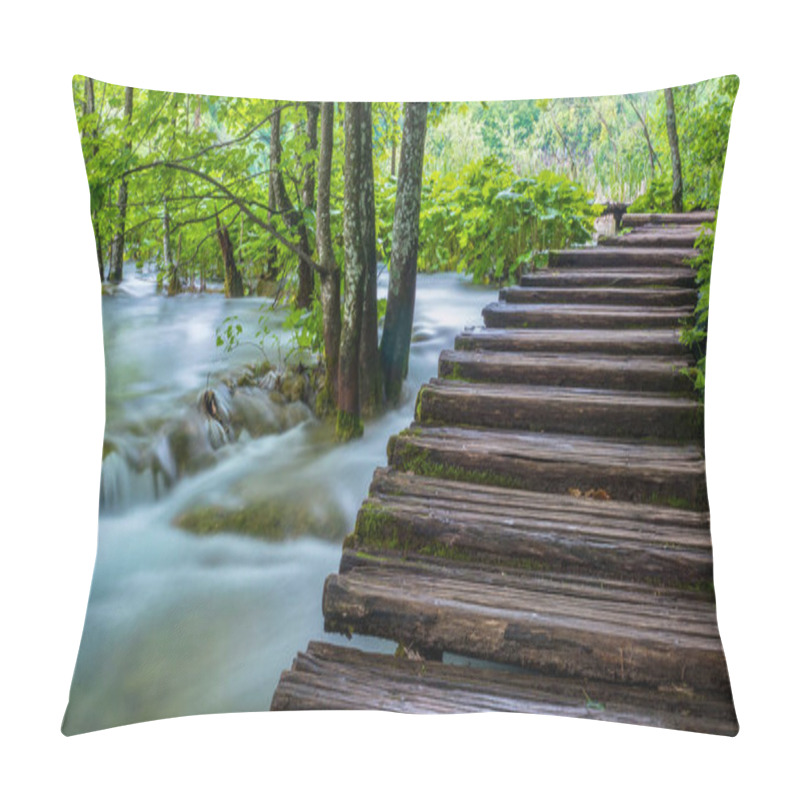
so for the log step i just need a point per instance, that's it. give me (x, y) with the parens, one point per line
(589, 371)
(573, 277)
(560, 410)
(695, 218)
(426, 517)
(327, 676)
(630, 342)
(555, 624)
(593, 295)
(684, 236)
(662, 474)
(621, 257)
(531, 315)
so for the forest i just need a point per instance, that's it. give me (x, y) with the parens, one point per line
(303, 203)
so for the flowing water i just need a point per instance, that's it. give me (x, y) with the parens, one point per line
(179, 623)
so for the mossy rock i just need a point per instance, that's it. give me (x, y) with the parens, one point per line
(273, 520)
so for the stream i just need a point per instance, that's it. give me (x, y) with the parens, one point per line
(180, 623)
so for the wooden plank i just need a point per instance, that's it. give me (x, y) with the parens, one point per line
(530, 315)
(533, 531)
(645, 277)
(507, 501)
(596, 295)
(648, 473)
(592, 370)
(560, 410)
(327, 676)
(626, 342)
(695, 218)
(622, 256)
(655, 236)
(555, 624)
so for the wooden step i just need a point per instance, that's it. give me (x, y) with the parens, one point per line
(327, 676)
(621, 257)
(683, 236)
(543, 315)
(555, 409)
(696, 218)
(630, 342)
(671, 475)
(428, 517)
(590, 370)
(555, 624)
(593, 295)
(651, 277)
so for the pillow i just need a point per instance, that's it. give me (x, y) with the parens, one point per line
(537, 539)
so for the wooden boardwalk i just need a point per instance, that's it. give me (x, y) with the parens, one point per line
(545, 514)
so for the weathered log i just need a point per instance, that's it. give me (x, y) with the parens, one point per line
(327, 676)
(683, 236)
(687, 218)
(591, 371)
(646, 277)
(558, 625)
(542, 315)
(594, 295)
(630, 342)
(621, 414)
(664, 474)
(387, 481)
(411, 515)
(621, 257)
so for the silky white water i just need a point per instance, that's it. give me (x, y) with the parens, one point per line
(184, 624)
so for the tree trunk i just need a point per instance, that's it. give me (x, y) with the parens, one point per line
(233, 279)
(89, 108)
(118, 242)
(282, 204)
(650, 150)
(174, 286)
(672, 133)
(358, 135)
(370, 383)
(396, 340)
(330, 276)
(305, 275)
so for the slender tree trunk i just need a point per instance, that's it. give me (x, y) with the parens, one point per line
(233, 278)
(305, 275)
(370, 383)
(281, 203)
(396, 339)
(650, 150)
(118, 242)
(672, 133)
(358, 135)
(330, 277)
(174, 286)
(89, 108)
(275, 183)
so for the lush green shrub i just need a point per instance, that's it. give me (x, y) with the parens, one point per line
(694, 335)
(486, 222)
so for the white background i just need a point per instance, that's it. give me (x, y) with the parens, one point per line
(52, 395)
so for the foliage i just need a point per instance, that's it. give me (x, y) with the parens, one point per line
(486, 222)
(694, 335)
(703, 115)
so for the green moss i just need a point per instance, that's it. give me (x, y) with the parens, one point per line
(271, 520)
(348, 426)
(405, 455)
(379, 530)
(418, 407)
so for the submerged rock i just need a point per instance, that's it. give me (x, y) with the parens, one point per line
(272, 519)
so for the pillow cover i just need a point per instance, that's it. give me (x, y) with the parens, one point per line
(538, 539)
